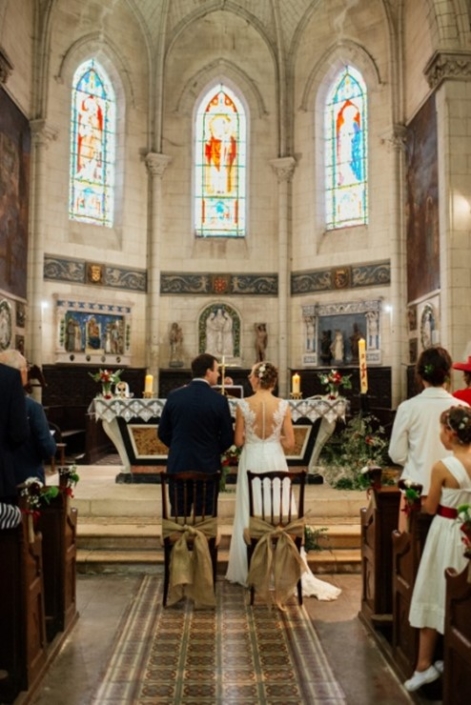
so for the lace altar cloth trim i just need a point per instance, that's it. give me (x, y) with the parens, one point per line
(145, 409)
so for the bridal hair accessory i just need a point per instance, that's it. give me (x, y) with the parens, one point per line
(261, 371)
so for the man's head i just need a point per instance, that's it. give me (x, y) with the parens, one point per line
(13, 358)
(206, 366)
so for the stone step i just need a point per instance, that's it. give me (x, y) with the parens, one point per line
(151, 560)
(139, 536)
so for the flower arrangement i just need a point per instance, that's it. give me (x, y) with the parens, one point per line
(229, 458)
(412, 492)
(106, 378)
(68, 478)
(349, 456)
(35, 496)
(333, 381)
(464, 517)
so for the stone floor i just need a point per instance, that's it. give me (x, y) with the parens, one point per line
(103, 600)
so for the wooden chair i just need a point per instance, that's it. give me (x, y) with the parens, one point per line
(188, 498)
(277, 498)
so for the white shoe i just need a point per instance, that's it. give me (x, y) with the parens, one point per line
(420, 678)
(440, 666)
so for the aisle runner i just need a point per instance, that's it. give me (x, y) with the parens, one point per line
(234, 654)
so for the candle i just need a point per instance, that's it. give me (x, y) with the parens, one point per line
(149, 385)
(295, 383)
(362, 360)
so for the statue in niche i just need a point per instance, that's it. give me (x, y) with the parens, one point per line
(336, 347)
(310, 333)
(326, 342)
(372, 318)
(219, 336)
(354, 338)
(261, 341)
(176, 343)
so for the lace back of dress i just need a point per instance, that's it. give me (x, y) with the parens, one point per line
(266, 419)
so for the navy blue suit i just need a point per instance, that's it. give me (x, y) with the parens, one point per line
(13, 427)
(40, 445)
(196, 425)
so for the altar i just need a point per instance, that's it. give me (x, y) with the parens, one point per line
(132, 425)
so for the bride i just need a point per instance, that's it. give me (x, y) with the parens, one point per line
(263, 427)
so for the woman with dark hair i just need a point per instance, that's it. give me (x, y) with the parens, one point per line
(263, 427)
(450, 487)
(415, 439)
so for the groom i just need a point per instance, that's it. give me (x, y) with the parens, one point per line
(196, 423)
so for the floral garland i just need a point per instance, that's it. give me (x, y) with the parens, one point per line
(36, 497)
(412, 492)
(68, 479)
(464, 517)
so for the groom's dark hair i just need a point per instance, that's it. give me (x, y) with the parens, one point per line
(202, 363)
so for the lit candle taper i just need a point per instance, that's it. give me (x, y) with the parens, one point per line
(362, 361)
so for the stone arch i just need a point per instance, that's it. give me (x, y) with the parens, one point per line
(222, 341)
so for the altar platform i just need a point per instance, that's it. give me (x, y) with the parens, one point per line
(119, 524)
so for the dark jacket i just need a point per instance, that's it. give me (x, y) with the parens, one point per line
(196, 425)
(13, 426)
(39, 447)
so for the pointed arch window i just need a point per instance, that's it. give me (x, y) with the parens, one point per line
(220, 165)
(346, 132)
(92, 146)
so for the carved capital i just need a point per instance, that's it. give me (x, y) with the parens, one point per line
(6, 67)
(43, 133)
(283, 168)
(448, 65)
(397, 139)
(157, 163)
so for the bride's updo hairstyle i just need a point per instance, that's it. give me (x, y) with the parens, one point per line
(458, 420)
(267, 374)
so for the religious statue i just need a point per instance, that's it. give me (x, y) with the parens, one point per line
(219, 335)
(176, 342)
(336, 347)
(354, 338)
(310, 333)
(261, 341)
(372, 318)
(326, 342)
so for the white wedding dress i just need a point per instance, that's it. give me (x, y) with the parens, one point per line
(263, 454)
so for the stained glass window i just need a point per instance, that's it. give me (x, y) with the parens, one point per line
(346, 131)
(92, 146)
(220, 165)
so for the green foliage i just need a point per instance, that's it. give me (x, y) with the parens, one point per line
(311, 538)
(362, 443)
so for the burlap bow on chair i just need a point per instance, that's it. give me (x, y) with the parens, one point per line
(276, 566)
(191, 571)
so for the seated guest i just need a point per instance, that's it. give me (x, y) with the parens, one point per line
(465, 393)
(40, 446)
(450, 487)
(10, 516)
(14, 429)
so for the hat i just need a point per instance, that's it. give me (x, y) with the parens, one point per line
(465, 366)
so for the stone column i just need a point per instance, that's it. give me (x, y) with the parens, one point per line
(156, 165)
(42, 134)
(284, 170)
(398, 331)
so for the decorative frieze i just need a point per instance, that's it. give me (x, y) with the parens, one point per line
(218, 284)
(448, 65)
(343, 277)
(93, 274)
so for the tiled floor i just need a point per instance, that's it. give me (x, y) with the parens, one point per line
(104, 600)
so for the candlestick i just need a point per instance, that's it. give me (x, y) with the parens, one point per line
(362, 361)
(149, 384)
(295, 383)
(223, 374)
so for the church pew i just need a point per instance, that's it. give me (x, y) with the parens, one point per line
(22, 624)
(58, 524)
(407, 551)
(378, 521)
(457, 640)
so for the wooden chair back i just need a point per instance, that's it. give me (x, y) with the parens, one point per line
(277, 497)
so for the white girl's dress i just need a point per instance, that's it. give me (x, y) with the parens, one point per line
(263, 456)
(443, 549)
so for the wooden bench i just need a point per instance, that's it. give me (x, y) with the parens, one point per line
(457, 641)
(22, 624)
(71, 424)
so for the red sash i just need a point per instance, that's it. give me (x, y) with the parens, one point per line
(447, 512)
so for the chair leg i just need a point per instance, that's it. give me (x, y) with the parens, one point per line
(166, 574)
(300, 592)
